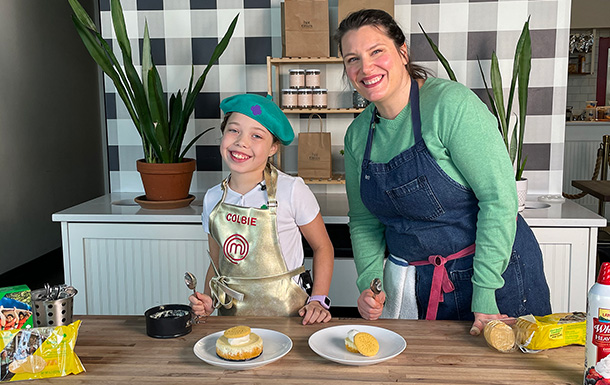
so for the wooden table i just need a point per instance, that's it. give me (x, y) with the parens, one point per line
(116, 350)
(600, 189)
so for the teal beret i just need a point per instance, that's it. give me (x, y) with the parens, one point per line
(264, 111)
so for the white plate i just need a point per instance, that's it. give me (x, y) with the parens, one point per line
(329, 343)
(275, 346)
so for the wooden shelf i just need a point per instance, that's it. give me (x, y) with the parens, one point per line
(322, 110)
(273, 79)
(297, 60)
(273, 88)
(336, 179)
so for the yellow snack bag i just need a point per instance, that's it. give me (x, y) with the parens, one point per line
(550, 331)
(29, 354)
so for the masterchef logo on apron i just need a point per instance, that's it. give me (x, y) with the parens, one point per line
(235, 248)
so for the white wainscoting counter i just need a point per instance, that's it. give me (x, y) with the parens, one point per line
(124, 259)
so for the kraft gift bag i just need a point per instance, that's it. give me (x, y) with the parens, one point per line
(315, 160)
(306, 29)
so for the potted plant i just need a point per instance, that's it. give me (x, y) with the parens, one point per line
(513, 138)
(161, 126)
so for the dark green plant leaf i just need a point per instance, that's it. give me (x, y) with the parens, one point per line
(525, 65)
(492, 102)
(512, 151)
(175, 116)
(147, 61)
(520, 168)
(191, 143)
(496, 86)
(158, 111)
(162, 130)
(82, 15)
(120, 30)
(439, 55)
(189, 103)
(99, 55)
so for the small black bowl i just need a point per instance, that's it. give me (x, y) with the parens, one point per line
(168, 321)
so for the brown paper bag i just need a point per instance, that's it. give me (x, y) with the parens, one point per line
(348, 6)
(315, 160)
(305, 28)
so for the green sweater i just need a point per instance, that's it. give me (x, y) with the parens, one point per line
(462, 135)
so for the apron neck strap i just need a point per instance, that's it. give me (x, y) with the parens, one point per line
(415, 119)
(270, 176)
(415, 115)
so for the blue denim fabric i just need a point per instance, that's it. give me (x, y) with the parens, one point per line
(427, 213)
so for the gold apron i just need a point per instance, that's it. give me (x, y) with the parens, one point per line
(252, 277)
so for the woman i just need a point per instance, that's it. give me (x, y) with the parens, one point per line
(429, 179)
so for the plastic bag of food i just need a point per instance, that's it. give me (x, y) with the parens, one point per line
(550, 331)
(34, 353)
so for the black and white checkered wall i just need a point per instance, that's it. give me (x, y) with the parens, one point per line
(184, 32)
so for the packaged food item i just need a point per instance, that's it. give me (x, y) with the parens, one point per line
(34, 353)
(297, 78)
(16, 308)
(312, 78)
(597, 348)
(500, 336)
(550, 331)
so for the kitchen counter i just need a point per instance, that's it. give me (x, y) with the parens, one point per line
(120, 207)
(586, 130)
(117, 350)
(113, 249)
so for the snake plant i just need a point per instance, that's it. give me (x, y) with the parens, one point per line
(161, 127)
(522, 64)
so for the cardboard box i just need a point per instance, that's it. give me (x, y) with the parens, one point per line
(16, 308)
(305, 28)
(348, 6)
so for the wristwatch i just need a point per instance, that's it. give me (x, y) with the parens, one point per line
(324, 300)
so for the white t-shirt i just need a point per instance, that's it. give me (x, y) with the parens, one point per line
(296, 206)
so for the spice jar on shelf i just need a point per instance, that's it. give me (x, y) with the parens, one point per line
(358, 101)
(289, 98)
(304, 97)
(320, 98)
(297, 78)
(312, 78)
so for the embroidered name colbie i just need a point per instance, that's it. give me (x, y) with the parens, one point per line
(242, 219)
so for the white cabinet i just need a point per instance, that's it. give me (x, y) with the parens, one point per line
(569, 264)
(569, 256)
(124, 260)
(126, 268)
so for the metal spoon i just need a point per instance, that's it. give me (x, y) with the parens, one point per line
(376, 287)
(191, 282)
(47, 292)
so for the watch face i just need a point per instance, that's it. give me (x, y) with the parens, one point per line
(327, 301)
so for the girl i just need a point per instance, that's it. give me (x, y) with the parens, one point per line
(254, 220)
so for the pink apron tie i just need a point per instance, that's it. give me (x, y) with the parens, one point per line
(440, 279)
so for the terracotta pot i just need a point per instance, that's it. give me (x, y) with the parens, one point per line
(166, 181)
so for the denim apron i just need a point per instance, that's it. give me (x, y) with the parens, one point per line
(428, 217)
